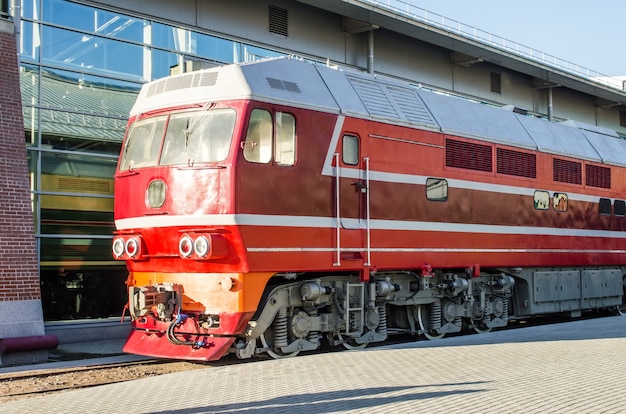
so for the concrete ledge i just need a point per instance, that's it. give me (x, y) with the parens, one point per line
(7, 26)
(86, 330)
(21, 318)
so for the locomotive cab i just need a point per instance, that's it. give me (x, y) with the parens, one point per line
(174, 212)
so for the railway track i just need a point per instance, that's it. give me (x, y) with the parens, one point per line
(27, 384)
(20, 385)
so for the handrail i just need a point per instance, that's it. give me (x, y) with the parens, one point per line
(367, 203)
(407, 9)
(338, 208)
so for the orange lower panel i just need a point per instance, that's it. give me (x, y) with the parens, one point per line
(157, 345)
(211, 292)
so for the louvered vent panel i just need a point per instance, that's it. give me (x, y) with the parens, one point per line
(205, 79)
(278, 21)
(468, 155)
(283, 85)
(193, 79)
(76, 185)
(565, 171)
(496, 82)
(374, 98)
(596, 176)
(411, 105)
(516, 163)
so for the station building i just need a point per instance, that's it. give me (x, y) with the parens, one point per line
(77, 67)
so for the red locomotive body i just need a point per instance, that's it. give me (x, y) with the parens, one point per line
(267, 207)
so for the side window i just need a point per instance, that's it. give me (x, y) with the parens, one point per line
(258, 144)
(542, 200)
(619, 208)
(350, 150)
(559, 202)
(285, 140)
(605, 206)
(436, 189)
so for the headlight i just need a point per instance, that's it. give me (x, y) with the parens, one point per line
(156, 194)
(132, 247)
(185, 246)
(118, 247)
(201, 246)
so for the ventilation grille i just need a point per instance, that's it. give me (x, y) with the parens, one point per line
(191, 80)
(567, 171)
(278, 21)
(391, 102)
(516, 163)
(283, 85)
(496, 82)
(77, 185)
(467, 155)
(596, 176)
(410, 104)
(374, 98)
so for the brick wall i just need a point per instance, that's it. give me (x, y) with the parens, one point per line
(19, 277)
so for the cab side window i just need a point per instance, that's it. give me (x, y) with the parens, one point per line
(350, 150)
(258, 144)
(266, 137)
(285, 139)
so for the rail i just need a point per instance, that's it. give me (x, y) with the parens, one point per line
(406, 9)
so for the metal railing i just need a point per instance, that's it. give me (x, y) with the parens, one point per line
(406, 9)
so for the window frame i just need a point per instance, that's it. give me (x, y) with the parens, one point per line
(357, 140)
(438, 181)
(602, 204)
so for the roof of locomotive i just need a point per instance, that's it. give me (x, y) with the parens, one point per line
(296, 83)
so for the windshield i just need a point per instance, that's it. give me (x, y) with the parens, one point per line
(191, 138)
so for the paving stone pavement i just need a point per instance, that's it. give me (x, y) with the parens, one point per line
(573, 367)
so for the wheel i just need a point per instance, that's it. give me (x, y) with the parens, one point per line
(617, 310)
(423, 316)
(267, 339)
(480, 330)
(350, 345)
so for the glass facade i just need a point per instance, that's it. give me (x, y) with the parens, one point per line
(80, 70)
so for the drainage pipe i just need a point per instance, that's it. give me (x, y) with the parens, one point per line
(28, 343)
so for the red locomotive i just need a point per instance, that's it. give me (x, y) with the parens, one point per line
(271, 206)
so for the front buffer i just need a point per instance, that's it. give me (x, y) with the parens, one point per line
(193, 316)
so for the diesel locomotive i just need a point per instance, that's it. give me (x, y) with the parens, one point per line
(277, 206)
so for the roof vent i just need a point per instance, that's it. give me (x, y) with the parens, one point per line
(278, 21)
(496, 82)
(283, 85)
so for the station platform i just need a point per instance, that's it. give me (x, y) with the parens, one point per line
(570, 367)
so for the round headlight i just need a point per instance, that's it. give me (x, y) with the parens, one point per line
(132, 247)
(185, 246)
(201, 246)
(156, 194)
(118, 247)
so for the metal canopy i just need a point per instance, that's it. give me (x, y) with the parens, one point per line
(399, 23)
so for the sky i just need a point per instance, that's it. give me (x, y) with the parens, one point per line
(587, 33)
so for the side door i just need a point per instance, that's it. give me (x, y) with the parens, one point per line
(354, 197)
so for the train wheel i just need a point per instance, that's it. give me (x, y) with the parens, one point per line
(267, 339)
(480, 330)
(351, 345)
(423, 316)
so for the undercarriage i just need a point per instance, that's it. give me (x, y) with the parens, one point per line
(343, 311)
